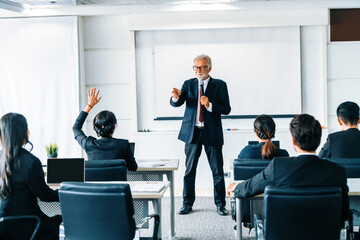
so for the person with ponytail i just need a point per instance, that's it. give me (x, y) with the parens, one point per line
(106, 147)
(22, 182)
(264, 128)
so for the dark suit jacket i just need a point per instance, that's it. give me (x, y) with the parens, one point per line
(343, 144)
(217, 93)
(301, 171)
(28, 184)
(103, 148)
(254, 151)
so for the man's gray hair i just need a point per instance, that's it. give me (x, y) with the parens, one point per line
(204, 56)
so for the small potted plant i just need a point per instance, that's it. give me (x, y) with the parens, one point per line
(52, 150)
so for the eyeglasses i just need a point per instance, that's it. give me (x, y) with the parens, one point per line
(202, 68)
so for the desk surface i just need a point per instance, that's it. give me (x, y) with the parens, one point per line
(135, 194)
(157, 165)
(353, 184)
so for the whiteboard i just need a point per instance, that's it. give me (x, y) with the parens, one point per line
(261, 67)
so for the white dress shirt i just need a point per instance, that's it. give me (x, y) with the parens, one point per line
(300, 154)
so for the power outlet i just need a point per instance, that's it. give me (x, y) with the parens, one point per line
(227, 174)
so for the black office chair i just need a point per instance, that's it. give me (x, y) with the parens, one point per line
(132, 147)
(300, 213)
(352, 168)
(243, 170)
(351, 165)
(105, 170)
(17, 219)
(99, 211)
(247, 168)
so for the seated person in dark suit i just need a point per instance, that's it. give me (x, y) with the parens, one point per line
(305, 170)
(264, 128)
(104, 125)
(346, 143)
(22, 182)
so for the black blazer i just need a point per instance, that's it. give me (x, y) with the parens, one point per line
(343, 144)
(103, 148)
(254, 151)
(27, 185)
(301, 171)
(217, 93)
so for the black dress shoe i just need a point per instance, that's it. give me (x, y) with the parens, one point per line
(185, 209)
(222, 211)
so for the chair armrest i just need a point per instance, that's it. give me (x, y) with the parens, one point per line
(349, 226)
(347, 233)
(23, 217)
(233, 208)
(259, 227)
(156, 224)
(61, 231)
(355, 213)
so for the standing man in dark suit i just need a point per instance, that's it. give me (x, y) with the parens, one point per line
(206, 99)
(346, 143)
(305, 170)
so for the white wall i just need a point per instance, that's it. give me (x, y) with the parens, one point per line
(106, 50)
(109, 65)
(343, 77)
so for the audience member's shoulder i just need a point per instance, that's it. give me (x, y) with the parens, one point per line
(344, 133)
(122, 141)
(27, 158)
(26, 154)
(283, 159)
(249, 147)
(248, 152)
(282, 153)
(332, 164)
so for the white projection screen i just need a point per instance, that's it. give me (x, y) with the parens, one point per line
(39, 77)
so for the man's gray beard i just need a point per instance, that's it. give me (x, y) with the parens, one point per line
(202, 77)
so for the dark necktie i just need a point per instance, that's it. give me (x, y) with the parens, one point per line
(201, 107)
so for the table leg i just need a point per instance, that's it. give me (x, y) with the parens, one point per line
(170, 177)
(238, 219)
(157, 210)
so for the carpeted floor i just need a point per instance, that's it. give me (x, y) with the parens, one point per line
(202, 224)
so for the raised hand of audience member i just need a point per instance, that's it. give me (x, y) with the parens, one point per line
(93, 99)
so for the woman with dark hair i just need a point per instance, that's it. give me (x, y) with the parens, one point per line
(106, 147)
(264, 128)
(22, 182)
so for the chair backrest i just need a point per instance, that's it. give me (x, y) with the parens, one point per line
(247, 168)
(132, 147)
(97, 211)
(351, 165)
(105, 170)
(302, 213)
